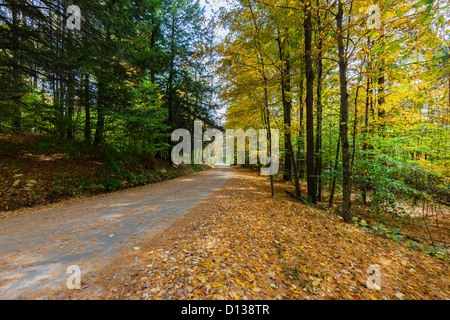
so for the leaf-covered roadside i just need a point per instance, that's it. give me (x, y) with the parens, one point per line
(244, 244)
(39, 169)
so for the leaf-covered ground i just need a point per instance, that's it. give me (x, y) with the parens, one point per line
(244, 244)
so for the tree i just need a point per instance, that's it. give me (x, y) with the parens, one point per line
(311, 179)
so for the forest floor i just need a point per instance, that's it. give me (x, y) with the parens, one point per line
(244, 244)
(40, 170)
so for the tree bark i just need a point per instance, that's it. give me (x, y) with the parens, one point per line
(266, 92)
(318, 160)
(18, 120)
(343, 65)
(333, 183)
(87, 109)
(100, 126)
(301, 144)
(170, 80)
(311, 180)
(287, 105)
(70, 105)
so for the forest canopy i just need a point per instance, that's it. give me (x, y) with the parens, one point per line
(131, 72)
(360, 90)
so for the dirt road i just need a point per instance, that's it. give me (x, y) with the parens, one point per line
(38, 246)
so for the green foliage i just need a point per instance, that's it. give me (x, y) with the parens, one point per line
(392, 180)
(126, 79)
(113, 183)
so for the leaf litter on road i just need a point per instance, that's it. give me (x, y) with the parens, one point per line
(244, 244)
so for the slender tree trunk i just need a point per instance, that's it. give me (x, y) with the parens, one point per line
(311, 181)
(292, 163)
(301, 144)
(381, 88)
(60, 74)
(99, 132)
(70, 105)
(269, 133)
(343, 64)
(266, 92)
(18, 120)
(381, 98)
(153, 37)
(333, 183)
(318, 160)
(287, 106)
(366, 143)
(369, 108)
(100, 126)
(355, 126)
(170, 80)
(61, 104)
(87, 109)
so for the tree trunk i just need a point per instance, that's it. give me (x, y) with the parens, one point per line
(301, 144)
(266, 93)
(311, 181)
(287, 106)
(318, 160)
(100, 127)
(18, 120)
(153, 37)
(70, 105)
(333, 183)
(366, 132)
(87, 109)
(346, 176)
(355, 126)
(170, 80)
